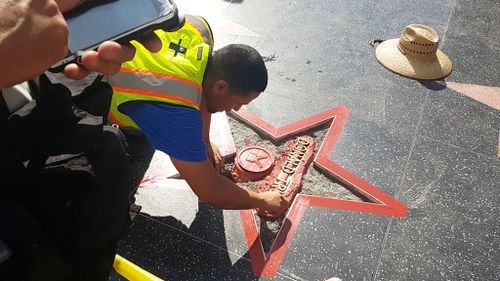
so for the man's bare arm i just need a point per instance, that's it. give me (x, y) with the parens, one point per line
(220, 192)
(213, 153)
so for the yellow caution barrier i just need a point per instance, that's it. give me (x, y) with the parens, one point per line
(131, 271)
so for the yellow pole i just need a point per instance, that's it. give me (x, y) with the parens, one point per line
(131, 271)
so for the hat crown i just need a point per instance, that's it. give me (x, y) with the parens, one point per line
(418, 41)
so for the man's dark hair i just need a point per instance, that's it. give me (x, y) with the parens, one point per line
(241, 66)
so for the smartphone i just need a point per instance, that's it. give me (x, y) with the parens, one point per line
(96, 21)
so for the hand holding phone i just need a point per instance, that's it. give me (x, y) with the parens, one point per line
(107, 59)
(98, 21)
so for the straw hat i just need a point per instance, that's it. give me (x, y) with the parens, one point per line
(415, 54)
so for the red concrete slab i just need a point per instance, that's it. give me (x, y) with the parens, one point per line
(252, 163)
(255, 159)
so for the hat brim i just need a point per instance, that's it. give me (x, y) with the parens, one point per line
(388, 55)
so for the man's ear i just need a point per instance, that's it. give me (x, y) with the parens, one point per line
(221, 87)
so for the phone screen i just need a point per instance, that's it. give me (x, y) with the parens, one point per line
(102, 20)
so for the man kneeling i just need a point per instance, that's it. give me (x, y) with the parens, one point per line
(170, 96)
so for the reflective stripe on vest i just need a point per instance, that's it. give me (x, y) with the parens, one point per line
(174, 75)
(157, 84)
(203, 27)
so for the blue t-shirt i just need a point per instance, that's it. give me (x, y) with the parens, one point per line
(175, 130)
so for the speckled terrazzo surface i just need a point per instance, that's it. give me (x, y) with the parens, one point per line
(432, 148)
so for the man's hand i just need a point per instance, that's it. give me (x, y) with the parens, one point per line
(274, 204)
(215, 157)
(33, 36)
(109, 56)
(68, 5)
(221, 192)
(107, 59)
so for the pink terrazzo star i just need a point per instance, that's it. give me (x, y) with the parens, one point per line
(381, 203)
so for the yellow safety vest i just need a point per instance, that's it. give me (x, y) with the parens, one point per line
(174, 75)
